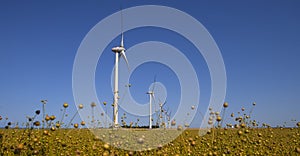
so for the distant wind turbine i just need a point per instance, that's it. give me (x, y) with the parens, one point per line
(161, 111)
(151, 98)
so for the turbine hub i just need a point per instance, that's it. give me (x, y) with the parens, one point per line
(118, 49)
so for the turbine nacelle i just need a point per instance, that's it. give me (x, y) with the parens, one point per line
(118, 49)
(150, 92)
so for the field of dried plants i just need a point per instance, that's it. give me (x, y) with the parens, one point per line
(244, 137)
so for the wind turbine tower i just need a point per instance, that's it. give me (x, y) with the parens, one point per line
(151, 96)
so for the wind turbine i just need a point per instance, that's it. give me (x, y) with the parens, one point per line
(151, 98)
(161, 111)
(167, 112)
(120, 52)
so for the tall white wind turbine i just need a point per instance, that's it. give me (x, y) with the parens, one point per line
(120, 52)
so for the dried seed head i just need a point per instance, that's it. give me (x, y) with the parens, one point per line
(173, 123)
(140, 140)
(225, 105)
(65, 105)
(76, 125)
(82, 123)
(193, 143)
(47, 118)
(35, 140)
(219, 118)
(93, 104)
(20, 147)
(52, 117)
(53, 129)
(106, 146)
(240, 132)
(36, 123)
(80, 106)
(37, 112)
(44, 101)
(46, 132)
(105, 153)
(179, 127)
(298, 149)
(243, 125)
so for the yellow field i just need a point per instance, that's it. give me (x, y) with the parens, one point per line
(243, 141)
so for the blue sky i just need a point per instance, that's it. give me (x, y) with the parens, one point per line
(259, 42)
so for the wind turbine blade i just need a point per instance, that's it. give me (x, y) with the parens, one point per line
(122, 40)
(154, 84)
(159, 100)
(153, 99)
(164, 103)
(170, 113)
(125, 58)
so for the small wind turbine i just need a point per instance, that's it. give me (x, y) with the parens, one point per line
(151, 98)
(168, 116)
(120, 52)
(161, 111)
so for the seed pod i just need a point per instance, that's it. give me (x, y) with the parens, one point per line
(179, 127)
(47, 118)
(219, 118)
(140, 140)
(93, 104)
(37, 112)
(106, 146)
(240, 132)
(36, 123)
(65, 105)
(225, 105)
(46, 132)
(243, 125)
(52, 117)
(53, 129)
(20, 147)
(173, 123)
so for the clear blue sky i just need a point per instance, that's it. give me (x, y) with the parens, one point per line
(259, 42)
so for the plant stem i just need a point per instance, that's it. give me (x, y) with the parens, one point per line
(72, 119)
